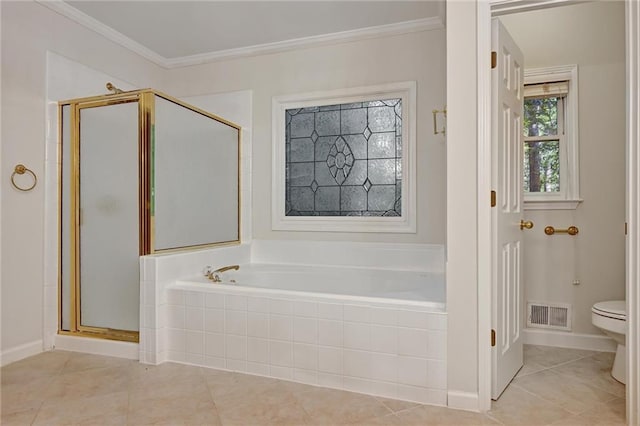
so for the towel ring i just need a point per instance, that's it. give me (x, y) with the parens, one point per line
(20, 170)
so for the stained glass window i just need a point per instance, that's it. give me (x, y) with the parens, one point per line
(344, 160)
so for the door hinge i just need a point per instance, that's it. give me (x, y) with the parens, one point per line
(493, 337)
(493, 198)
(625, 228)
(494, 60)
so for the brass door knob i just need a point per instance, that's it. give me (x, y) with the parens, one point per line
(526, 224)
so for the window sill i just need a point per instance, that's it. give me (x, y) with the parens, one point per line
(551, 204)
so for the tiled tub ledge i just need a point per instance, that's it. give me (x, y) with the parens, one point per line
(381, 348)
(386, 337)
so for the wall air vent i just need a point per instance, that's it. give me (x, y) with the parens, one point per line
(549, 315)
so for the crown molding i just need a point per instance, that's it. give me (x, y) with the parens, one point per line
(504, 7)
(106, 31)
(425, 24)
(93, 24)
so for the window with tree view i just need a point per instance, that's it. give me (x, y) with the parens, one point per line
(545, 140)
(550, 171)
(543, 134)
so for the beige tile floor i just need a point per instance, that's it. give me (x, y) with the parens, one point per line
(556, 386)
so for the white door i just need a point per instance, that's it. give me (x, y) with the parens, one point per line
(506, 132)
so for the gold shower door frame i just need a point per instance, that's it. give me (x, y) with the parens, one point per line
(146, 121)
(145, 101)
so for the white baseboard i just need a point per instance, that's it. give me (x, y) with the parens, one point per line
(21, 352)
(590, 342)
(90, 345)
(462, 400)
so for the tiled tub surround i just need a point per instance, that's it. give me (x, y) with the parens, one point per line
(157, 272)
(379, 346)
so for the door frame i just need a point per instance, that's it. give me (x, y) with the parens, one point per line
(484, 11)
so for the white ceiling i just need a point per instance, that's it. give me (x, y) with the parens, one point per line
(178, 29)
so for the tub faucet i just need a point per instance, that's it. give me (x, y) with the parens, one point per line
(226, 268)
(214, 275)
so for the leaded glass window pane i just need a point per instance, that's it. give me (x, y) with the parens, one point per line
(344, 160)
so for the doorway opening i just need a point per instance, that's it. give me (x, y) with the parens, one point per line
(631, 19)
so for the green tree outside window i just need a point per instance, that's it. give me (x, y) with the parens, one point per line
(541, 147)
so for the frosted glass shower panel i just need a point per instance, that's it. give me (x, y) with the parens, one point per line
(109, 217)
(195, 192)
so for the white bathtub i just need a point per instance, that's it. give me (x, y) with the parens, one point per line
(374, 331)
(415, 288)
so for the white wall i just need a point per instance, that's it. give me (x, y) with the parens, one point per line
(418, 56)
(28, 31)
(462, 226)
(590, 35)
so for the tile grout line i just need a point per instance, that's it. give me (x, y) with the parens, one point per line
(494, 418)
(545, 399)
(533, 372)
(57, 374)
(385, 405)
(581, 380)
(202, 374)
(37, 412)
(406, 410)
(556, 365)
(601, 402)
(577, 380)
(128, 400)
(206, 385)
(391, 412)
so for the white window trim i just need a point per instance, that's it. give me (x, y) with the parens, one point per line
(403, 224)
(569, 199)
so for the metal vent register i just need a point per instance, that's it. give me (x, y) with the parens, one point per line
(549, 315)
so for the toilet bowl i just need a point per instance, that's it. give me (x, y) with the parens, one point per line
(611, 318)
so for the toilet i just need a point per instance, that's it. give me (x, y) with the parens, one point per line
(611, 318)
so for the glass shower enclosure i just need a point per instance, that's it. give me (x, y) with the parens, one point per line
(140, 173)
